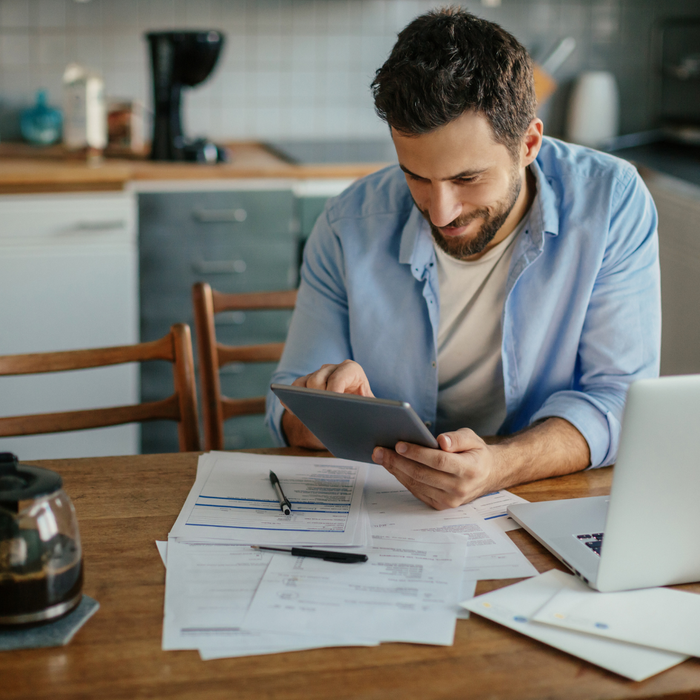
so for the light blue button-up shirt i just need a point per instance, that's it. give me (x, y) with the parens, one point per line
(581, 319)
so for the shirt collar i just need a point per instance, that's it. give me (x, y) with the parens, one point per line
(544, 213)
(417, 243)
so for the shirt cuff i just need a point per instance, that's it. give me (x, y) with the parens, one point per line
(273, 419)
(596, 422)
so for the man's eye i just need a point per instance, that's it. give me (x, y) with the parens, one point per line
(467, 180)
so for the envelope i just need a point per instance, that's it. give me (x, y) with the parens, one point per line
(661, 618)
(514, 606)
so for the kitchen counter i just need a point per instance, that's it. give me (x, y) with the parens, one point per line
(24, 169)
(681, 161)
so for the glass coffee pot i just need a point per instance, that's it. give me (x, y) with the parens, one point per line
(41, 574)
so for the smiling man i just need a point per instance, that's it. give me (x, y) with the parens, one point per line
(504, 283)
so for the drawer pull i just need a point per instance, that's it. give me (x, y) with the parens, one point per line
(219, 267)
(230, 318)
(233, 368)
(220, 216)
(94, 227)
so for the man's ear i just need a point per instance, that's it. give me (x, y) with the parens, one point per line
(532, 142)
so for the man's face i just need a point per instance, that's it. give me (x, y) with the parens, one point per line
(465, 184)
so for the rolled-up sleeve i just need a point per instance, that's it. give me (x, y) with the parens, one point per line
(621, 335)
(318, 333)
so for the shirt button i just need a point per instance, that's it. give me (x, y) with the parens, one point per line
(434, 364)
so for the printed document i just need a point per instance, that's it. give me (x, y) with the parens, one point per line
(407, 592)
(232, 499)
(394, 510)
(389, 500)
(209, 587)
(514, 607)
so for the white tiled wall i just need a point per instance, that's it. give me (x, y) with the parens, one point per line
(299, 68)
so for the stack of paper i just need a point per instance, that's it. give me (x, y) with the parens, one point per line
(634, 633)
(232, 499)
(227, 599)
(491, 553)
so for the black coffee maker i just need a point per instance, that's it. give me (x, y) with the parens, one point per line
(180, 59)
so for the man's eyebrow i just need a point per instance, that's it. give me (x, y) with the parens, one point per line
(463, 174)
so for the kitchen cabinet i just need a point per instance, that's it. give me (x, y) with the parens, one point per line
(242, 236)
(241, 239)
(678, 205)
(68, 280)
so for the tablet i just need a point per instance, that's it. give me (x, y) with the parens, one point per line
(352, 426)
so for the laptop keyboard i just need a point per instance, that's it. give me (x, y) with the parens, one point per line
(593, 541)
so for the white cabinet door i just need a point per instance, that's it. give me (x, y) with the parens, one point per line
(68, 280)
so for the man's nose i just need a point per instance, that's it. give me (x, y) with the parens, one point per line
(444, 206)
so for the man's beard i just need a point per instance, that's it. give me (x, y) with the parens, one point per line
(464, 247)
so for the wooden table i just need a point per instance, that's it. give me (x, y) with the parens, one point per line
(125, 503)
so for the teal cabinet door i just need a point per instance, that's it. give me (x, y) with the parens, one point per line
(237, 241)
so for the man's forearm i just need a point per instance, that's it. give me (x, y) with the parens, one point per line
(297, 434)
(550, 448)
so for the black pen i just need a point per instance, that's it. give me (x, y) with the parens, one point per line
(340, 557)
(285, 505)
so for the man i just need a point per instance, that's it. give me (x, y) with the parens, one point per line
(503, 283)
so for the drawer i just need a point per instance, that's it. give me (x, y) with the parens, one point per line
(156, 380)
(226, 265)
(246, 432)
(233, 212)
(309, 209)
(67, 219)
(159, 436)
(245, 380)
(252, 327)
(155, 328)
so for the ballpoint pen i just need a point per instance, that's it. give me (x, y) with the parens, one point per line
(285, 505)
(340, 557)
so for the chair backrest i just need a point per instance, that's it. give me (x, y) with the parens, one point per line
(213, 355)
(176, 347)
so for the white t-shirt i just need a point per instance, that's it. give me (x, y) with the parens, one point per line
(470, 370)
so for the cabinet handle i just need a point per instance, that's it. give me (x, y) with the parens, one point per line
(94, 226)
(220, 216)
(219, 267)
(230, 318)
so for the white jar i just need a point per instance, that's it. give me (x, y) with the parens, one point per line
(594, 109)
(84, 109)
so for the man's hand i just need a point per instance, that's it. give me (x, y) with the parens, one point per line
(466, 466)
(463, 469)
(346, 378)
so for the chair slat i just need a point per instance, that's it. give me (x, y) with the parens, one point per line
(242, 407)
(39, 363)
(167, 409)
(251, 301)
(269, 352)
(175, 347)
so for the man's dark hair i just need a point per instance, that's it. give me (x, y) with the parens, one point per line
(447, 62)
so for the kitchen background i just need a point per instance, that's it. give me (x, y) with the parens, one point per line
(106, 252)
(295, 69)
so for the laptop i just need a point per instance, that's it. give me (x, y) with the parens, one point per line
(647, 532)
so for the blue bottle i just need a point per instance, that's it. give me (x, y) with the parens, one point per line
(41, 124)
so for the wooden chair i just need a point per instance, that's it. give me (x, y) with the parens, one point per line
(213, 355)
(176, 347)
